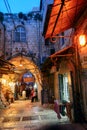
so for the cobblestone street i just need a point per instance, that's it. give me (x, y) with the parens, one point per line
(24, 115)
(27, 115)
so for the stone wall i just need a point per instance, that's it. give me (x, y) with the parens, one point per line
(34, 45)
(81, 28)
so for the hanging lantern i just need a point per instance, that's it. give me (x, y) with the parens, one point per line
(82, 40)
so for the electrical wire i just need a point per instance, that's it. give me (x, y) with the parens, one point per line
(9, 10)
(9, 6)
(6, 6)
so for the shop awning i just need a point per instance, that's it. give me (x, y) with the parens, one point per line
(62, 15)
(5, 66)
(57, 57)
(68, 51)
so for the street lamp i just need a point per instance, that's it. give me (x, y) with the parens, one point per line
(82, 40)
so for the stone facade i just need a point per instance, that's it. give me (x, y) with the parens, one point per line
(77, 81)
(33, 46)
(81, 28)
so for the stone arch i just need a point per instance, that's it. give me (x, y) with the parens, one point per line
(27, 65)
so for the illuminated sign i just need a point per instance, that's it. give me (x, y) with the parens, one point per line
(29, 79)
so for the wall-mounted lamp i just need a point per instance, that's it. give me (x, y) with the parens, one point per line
(82, 40)
(20, 64)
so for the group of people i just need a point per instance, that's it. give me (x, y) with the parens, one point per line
(26, 92)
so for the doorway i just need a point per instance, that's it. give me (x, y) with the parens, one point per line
(27, 83)
(29, 68)
(63, 87)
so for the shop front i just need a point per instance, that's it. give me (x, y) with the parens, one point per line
(61, 80)
(68, 82)
(63, 88)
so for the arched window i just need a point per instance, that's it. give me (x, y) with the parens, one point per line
(20, 34)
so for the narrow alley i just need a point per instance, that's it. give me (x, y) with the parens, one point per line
(43, 65)
(24, 115)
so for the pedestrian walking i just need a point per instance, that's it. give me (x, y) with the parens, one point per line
(33, 95)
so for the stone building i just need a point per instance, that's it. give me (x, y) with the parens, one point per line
(22, 43)
(22, 36)
(67, 66)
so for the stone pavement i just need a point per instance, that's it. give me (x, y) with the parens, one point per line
(24, 115)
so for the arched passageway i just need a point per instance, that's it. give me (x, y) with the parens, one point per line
(23, 65)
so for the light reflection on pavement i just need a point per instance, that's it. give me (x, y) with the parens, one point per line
(24, 115)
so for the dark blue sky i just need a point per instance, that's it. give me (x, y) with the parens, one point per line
(17, 6)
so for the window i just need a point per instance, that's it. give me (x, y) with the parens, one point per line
(20, 34)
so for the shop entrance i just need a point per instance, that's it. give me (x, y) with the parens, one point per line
(26, 85)
(63, 87)
(26, 76)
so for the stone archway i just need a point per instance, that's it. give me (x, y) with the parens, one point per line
(23, 64)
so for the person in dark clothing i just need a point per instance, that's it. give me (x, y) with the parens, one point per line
(33, 95)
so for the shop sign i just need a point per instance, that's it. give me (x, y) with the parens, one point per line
(29, 79)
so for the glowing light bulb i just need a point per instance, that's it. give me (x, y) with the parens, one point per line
(82, 40)
(20, 65)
